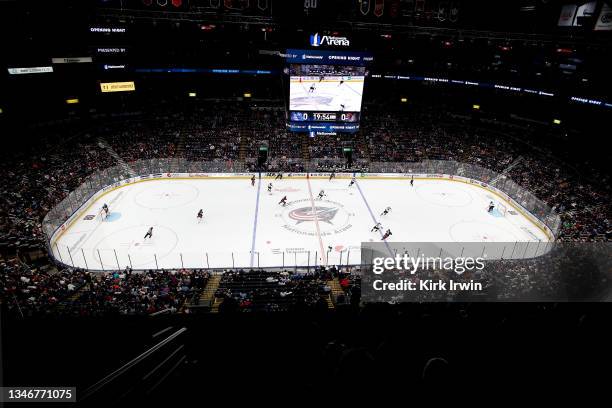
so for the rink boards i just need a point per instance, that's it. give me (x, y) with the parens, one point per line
(244, 226)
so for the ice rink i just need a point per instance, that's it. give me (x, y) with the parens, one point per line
(246, 226)
(327, 95)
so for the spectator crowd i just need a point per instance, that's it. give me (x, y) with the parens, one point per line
(38, 176)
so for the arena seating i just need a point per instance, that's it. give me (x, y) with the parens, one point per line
(39, 177)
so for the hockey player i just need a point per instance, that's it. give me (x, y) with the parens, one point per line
(253, 180)
(491, 206)
(312, 88)
(270, 188)
(321, 195)
(377, 227)
(149, 233)
(332, 175)
(387, 211)
(352, 182)
(387, 235)
(200, 215)
(105, 208)
(279, 176)
(412, 182)
(283, 201)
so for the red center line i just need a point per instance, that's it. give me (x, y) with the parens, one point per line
(312, 203)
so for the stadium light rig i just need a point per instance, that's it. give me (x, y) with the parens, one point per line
(247, 94)
(192, 94)
(72, 101)
(476, 107)
(404, 100)
(556, 121)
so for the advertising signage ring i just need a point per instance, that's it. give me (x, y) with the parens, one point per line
(117, 86)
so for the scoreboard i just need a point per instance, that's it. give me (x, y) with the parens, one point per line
(325, 90)
(343, 117)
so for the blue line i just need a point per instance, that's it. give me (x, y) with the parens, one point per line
(373, 217)
(255, 221)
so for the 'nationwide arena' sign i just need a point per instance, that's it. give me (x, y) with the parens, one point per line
(329, 40)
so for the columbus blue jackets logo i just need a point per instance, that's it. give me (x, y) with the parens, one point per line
(304, 214)
(325, 218)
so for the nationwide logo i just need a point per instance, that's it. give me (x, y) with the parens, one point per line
(304, 214)
(329, 40)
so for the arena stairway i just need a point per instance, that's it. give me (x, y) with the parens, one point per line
(242, 149)
(61, 306)
(305, 148)
(181, 145)
(336, 290)
(207, 298)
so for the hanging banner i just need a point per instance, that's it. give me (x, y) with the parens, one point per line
(379, 7)
(566, 19)
(364, 6)
(454, 12)
(443, 11)
(262, 5)
(604, 22)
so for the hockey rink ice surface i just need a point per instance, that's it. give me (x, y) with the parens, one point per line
(245, 226)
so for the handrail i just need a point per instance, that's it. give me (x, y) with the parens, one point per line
(115, 374)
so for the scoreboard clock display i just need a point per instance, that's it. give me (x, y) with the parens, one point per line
(343, 117)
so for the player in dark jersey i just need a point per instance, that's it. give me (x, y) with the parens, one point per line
(352, 182)
(387, 211)
(491, 206)
(332, 175)
(253, 180)
(312, 88)
(321, 194)
(270, 188)
(200, 215)
(283, 201)
(149, 233)
(377, 227)
(412, 182)
(387, 235)
(279, 176)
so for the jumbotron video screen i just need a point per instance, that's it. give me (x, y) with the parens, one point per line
(326, 88)
(326, 97)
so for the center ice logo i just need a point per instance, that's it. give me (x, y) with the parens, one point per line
(301, 217)
(324, 214)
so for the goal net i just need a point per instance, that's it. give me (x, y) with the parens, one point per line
(102, 215)
(501, 208)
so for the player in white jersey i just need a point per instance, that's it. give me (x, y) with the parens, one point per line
(377, 227)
